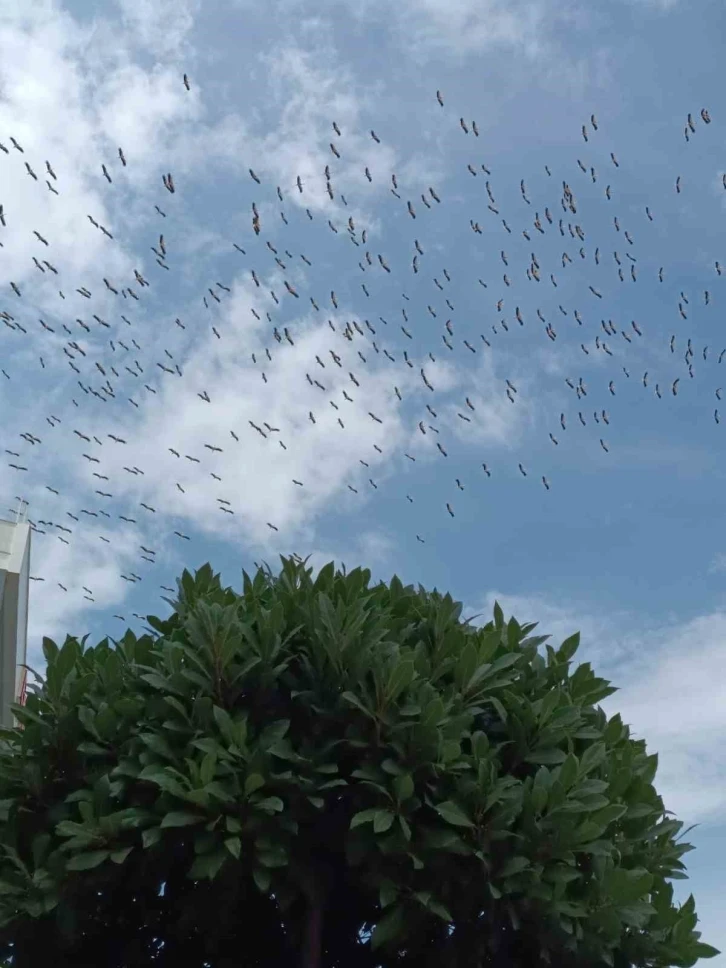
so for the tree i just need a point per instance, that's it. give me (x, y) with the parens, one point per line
(322, 773)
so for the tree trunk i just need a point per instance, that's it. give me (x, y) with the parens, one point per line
(313, 944)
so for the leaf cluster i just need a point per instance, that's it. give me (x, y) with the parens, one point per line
(322, 762)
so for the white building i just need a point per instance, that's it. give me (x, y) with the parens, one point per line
(14, 587)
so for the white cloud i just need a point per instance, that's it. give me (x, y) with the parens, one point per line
(86, 561)
(495, 419)
(674, 694)
(73, 94)
(160, 26)
(475, 25)
(664, 5)
(113, 105)
(465, 26)
(78, 103)
(374, 548)
(308, 91)
(322, 455)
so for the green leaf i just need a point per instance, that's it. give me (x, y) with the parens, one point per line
(589, 830)
(388, 928)
(628, 886)
(489, 670)
(477, 676)
(271, 805)
(466, 664)
(91, 749)
(253, 782)
(480, 744)
(387, 893)
(332, 784)
(179, 818)
(327, 768)
(438, 909)
(498, 616)
(382, 821)
(453, 814)
(69, 828)
(87, 861)
(568, 772)
(226, 724)
(514, 633)
(402, 676)
(234, 846)
(262, 879)
(151, 836)
(514, 865)
(609, 814)
(50, 649)
(207, 866)
(598, 848)
(568, 647)
(353, 700)
(538, 796)
(159, 625)
(571, 910)
(208, 768)
(637, 914)
(119, 856)
(590, 788)
(614, 730)
(274, 733)
(403, 785)
(391, 767)
(499, 707)
(163, 779)
(702, 950)
(593, 756)
(275, 856)
(550, 756)
(640, 810)
(364, 816)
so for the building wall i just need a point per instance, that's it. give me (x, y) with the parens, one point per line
(22, 623)
(14, 587)
(7, 533)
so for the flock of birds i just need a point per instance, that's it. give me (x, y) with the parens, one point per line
(109, 362)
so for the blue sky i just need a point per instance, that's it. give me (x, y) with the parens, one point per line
(625, 545)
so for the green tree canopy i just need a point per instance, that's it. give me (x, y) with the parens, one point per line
(325, 773)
